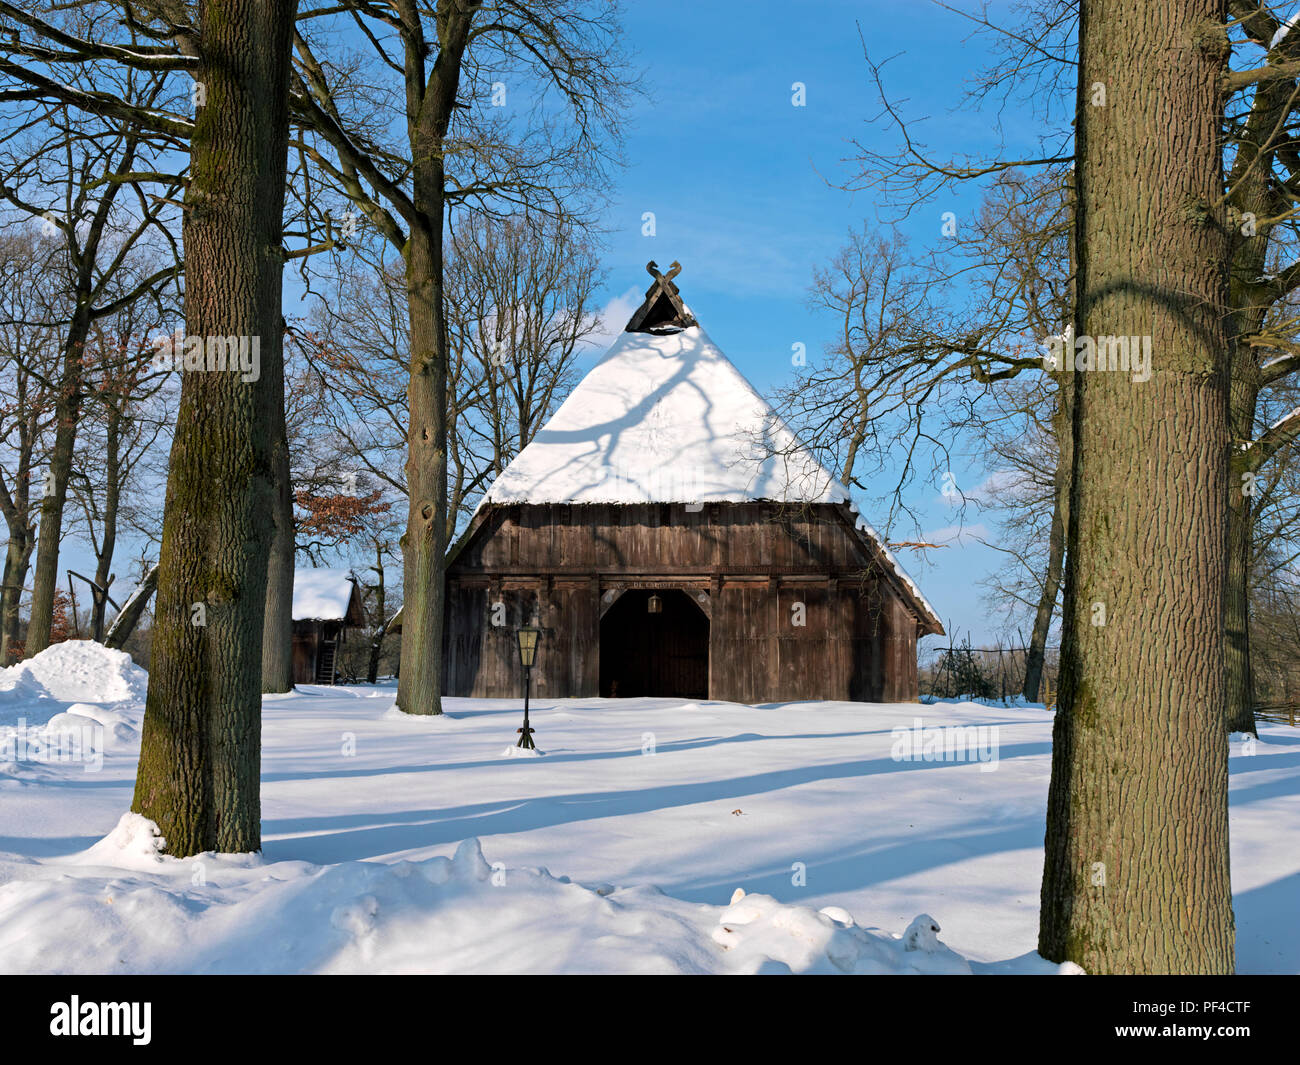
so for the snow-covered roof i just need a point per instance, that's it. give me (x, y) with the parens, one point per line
(665, 418)
(668, 418)
(321, 594)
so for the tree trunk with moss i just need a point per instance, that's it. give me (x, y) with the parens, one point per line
(277, 629)
(132, 610)
(200, 757)
(424, 544)
(19, 546)
(54, 486)
(112, 459)
(18, 553)
(1135, 876)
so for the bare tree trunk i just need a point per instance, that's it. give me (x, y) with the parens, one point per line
(1254, 194)
(381, 609)
(1047, 601)
(112, 504)
(1135, 876)
(199, 774)
(18, 556)
(45, 578)
(1063, 430)
(1239, 677)
(419, 689)
(424, 545)
(132, 610)
(277, 631)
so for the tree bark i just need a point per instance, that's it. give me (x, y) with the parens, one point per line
(16, 508)
(419, 688)
(132, 610)
(200, 757)
(112, 504)
(67, 410)
(18, 554)
(1052, 579)
(381, 609)
(1135, 876)
(1254, 195)
(1063, 430)
(1239, 677)
(277, 631)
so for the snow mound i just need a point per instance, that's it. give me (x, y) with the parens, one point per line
(767, 936)
(135, 844)
(18, 688)
(69, 705)
(101, 721)
(77, 671)
(123, 906)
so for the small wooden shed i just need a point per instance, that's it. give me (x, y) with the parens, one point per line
(673, 537)
(326, 605)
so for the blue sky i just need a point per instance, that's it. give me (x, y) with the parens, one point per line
(741, 183)
(742, 186)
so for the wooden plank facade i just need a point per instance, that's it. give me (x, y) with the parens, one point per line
(759, 602)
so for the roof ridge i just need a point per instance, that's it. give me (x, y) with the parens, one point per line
(663, 309)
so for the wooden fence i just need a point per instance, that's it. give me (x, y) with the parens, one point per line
(1284, 713)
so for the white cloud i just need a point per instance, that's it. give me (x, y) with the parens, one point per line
(613, 319)
(958, 535)
(997, 486)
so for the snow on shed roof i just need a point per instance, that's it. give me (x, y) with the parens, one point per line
(668, 418)
(321, 594)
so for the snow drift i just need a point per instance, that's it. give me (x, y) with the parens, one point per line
(68, 704)
(123, 906)
(76, 671)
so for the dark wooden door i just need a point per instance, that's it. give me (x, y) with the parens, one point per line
(645, 654)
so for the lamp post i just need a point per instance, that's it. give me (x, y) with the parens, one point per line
(527, 636)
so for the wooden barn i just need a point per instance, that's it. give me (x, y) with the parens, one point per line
(326, 605)
(672, 537)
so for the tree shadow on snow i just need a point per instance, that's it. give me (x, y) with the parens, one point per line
(365, 835)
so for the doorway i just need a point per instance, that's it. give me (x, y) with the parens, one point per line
(654, 654)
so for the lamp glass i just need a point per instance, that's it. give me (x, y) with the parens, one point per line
(655, 605)
(528, 645)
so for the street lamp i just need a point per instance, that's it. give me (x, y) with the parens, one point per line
(527, 636)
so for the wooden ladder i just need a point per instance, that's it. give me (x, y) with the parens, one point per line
(325, 663)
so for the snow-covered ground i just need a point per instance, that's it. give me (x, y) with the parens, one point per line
(401, 844)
